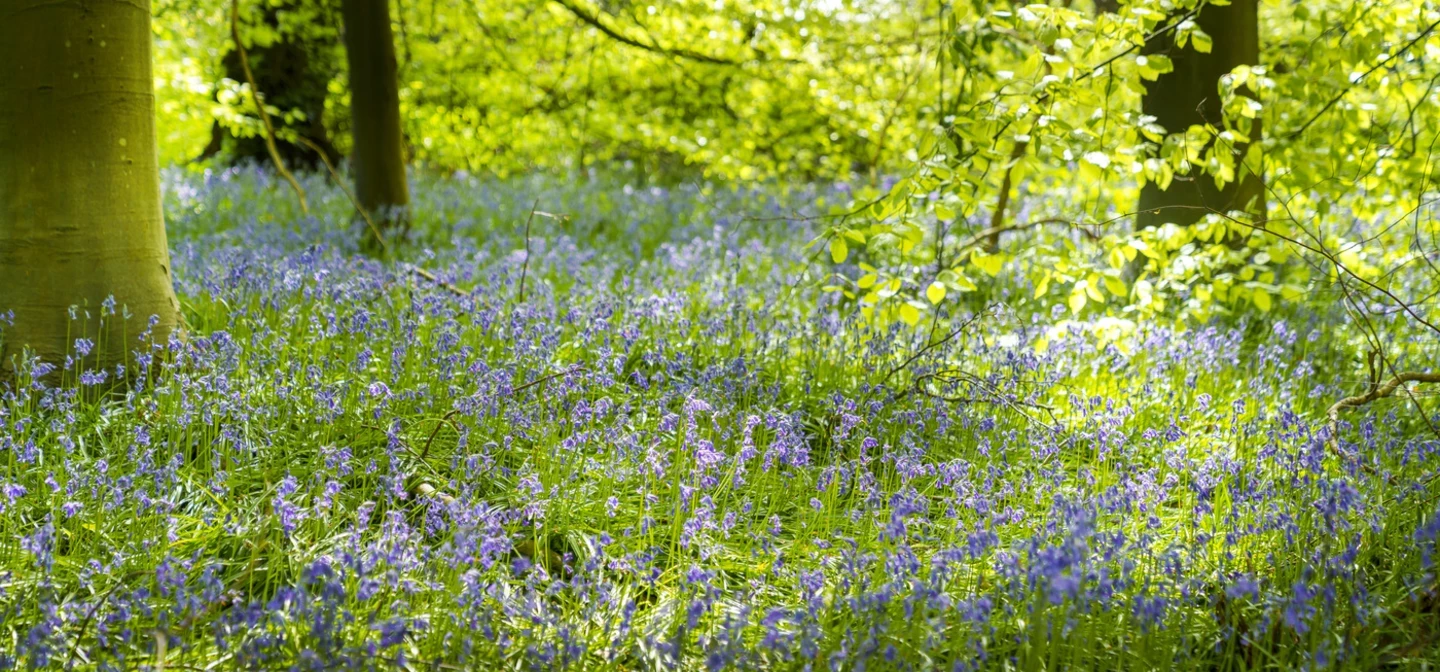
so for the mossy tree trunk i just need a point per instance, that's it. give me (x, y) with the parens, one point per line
(1190, 95)
(379, 159)
(80, 217)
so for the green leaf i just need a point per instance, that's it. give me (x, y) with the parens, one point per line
(1261, 298)
(1116, 258)
(909, 314)
(839, 250)
(1092, 289)
(1077, 299)
(989, 263)
(964, 283)
(1116, 286)
(935, 292)
(1200, 41)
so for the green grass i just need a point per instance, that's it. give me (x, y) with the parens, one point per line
(346, 465)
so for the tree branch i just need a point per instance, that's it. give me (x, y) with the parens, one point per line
(1306, 126)
(984, 236)
(594, 21)
(1376, 391)
(935, 344)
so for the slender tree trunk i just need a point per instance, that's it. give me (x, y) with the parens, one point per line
(1189, 96)
(80, 217)
(378, 160)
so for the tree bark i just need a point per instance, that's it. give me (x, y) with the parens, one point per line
(80, 217)
(1188, 96)
(378, 160)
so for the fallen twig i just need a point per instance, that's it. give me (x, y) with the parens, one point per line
(574, 369)
(431, 277)
(90, 616)
(445, 420)
(993, 396)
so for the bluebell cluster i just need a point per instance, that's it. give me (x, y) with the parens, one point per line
(675, 452)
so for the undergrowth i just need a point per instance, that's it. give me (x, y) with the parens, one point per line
(676, 452)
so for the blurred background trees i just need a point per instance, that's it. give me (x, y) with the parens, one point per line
(1163, 134)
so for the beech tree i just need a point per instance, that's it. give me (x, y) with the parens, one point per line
(80, 217)
(378, 159)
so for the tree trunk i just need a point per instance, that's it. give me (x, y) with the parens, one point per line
(1190, 96)
(378, 161)
(80, 217)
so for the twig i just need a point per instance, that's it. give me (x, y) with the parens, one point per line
(90, 615)
(1341, 269)
(956, 374)
(424, 488)
(594, 21)
(994, 231)
(1095, 69)
(447, 418)
(348, 194)
(525, 267)
(574, 369)
(994, 396)
(264, 116)
(1316, 117)
(441, 283)
(443, 421)
(1376, 391)
(935, 344)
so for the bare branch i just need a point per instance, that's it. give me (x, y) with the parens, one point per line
(985, 235)
(348, 194)
(594, 20)
(935, 344)
(1376, 391)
